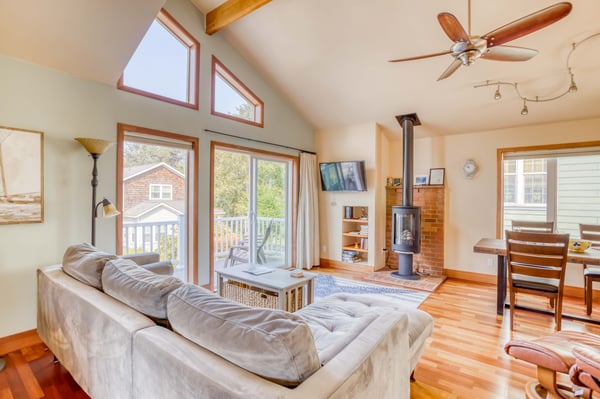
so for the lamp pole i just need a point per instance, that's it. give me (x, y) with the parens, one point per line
(94, 185)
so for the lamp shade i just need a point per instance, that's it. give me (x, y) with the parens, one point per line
(108, 209)
(94, 146)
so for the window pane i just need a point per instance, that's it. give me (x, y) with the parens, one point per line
(578, 185)
(535, 189)
(229, 101)
(166, 192)
(154, 191)
(159, 65)
(510, 188)
(510, 166)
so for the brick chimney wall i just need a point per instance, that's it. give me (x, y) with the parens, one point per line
(431, 199)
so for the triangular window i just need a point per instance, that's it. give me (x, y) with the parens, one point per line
(165, 65)
(232, 99)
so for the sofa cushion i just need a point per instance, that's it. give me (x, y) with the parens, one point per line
(273, 344)
(333, 331)
(139, 288)
(420, 323)
(85, 263)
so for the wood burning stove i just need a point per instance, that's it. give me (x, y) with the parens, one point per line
(406, 238)
(406, 219)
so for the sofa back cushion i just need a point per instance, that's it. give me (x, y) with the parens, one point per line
(85, 263)
(139, 288)
(273, 344)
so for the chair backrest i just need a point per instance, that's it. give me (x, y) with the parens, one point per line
(542, 255)
(266, 236)
(532, 227)
(590, 232)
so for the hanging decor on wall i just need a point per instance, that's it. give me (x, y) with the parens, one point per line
(572, 88)
(21, 176)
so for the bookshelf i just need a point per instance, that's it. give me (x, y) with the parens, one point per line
(355, 234)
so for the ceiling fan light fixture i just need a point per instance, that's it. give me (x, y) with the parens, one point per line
(524, 110)
(497, 95)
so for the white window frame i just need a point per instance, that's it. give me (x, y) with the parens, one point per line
(161, 192)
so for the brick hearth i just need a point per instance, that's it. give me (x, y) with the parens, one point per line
(431, 199)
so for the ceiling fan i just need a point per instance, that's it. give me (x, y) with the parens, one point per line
(467, 48)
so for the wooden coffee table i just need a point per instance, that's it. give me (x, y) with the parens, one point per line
(276, 289)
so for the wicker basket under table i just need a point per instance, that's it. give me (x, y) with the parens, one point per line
(275, 290)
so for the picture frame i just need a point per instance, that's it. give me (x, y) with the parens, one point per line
(421, 180)
(437, 176)
(21, 176)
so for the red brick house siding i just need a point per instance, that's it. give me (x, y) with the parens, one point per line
(137, 189)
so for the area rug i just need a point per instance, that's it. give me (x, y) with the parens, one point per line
(425, 283)
(326, 285)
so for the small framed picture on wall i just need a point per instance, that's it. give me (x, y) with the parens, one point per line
(421, 180)
(437, 176)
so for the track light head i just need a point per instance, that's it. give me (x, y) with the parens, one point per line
(524, 110)
(497, 95)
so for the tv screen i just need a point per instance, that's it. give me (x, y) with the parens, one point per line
(343, 176)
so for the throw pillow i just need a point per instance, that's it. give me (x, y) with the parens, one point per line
(85, 263)
(273, 344)
(138, 288)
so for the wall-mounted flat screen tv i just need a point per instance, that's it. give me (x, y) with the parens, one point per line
(343, 176)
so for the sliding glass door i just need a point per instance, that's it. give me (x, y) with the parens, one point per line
(251, 207)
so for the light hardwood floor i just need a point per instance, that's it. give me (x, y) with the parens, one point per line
(465, 357)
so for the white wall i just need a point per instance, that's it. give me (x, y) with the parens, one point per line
(63, 107)
(346, 144)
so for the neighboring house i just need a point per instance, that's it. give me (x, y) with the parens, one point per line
(154, 200)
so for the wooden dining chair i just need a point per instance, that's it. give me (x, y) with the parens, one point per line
(590, 232)
(536, 266)
(533, 227)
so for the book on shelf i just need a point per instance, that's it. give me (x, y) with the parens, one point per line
(364, 230)
(364, 243)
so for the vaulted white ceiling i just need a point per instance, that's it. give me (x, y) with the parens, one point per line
(329, 57)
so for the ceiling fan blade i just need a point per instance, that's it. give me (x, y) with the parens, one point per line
(528, 24)
(453, 28)
(509, 53)
(451, 69)
(420, 57)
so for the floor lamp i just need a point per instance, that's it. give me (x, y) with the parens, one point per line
(96, 147)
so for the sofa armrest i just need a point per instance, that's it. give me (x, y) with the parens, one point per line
(143, 258)
(164, 268)
(151, 261)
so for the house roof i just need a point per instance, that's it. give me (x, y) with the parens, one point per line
(141, 209)
(134, 171)
(329, 57)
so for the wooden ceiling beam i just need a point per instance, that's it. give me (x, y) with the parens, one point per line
(229, 12)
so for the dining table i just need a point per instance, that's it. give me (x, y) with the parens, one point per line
(495, 246)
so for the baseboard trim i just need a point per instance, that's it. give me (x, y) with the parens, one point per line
(18, 341)
(353, 267)
(572, 291)
(471, 276)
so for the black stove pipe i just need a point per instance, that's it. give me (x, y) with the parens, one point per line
(407, 122)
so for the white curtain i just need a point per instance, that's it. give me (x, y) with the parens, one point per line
(307, 240)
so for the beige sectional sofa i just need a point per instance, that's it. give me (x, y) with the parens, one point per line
(344, 346)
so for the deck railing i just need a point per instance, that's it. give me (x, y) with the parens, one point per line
(163, 237)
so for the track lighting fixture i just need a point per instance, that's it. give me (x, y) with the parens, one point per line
(524, 111)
